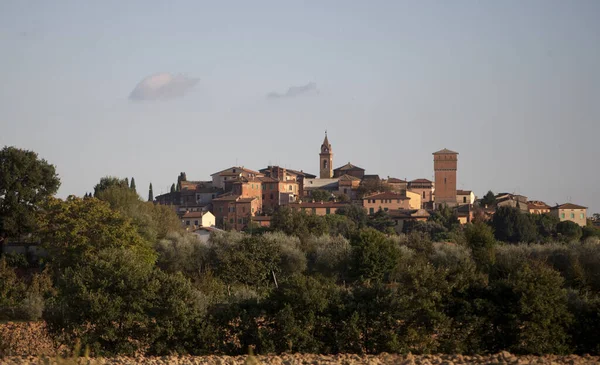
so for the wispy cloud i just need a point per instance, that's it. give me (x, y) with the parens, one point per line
(294, 91)
(162, 86)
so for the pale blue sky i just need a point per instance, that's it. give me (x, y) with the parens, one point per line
(514, 86)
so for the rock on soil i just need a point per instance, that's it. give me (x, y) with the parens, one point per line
(309, 359)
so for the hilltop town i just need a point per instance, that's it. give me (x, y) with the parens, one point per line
(239, 198)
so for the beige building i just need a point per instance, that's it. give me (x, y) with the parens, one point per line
(318, 208)
(465, 197)
(423, 187)
(538, 207)
(221, 178)
(386, 201)
(570, 212)
(415, 201)
(193, 220)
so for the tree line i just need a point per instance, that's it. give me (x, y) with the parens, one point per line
(122, 277)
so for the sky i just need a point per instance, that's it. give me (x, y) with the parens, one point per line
(148, 89)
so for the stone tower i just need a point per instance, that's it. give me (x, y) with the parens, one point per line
(326, 160)
(445, 163)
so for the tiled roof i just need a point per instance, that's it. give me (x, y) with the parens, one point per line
(267, 179)
(536, 204)
(421, 181)
(463, 192)
(194, 214)
(237, 168)
(246, 200)
(445, 151)
(386, 195)
(347, 177)
(371, 177)
(569, 206)
(408, 213)
(226, 197)
(348, 166)
(393, 180)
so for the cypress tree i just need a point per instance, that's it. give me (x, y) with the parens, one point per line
(150, 194)
(132, 186)
(173, 188)
(127, 181)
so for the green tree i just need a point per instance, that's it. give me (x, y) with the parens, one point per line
(368, 187)
(356, 213)
(173, 188)
(76, 229)
(530, 313)
(320, 195)
(381, 221)
(445, 216)
(569, 231)
(481, 240)
(511, 225)
(132, 186)
(546, 225)
(374, 256)
(150, 193)
(488, 199)
(108, 182)
(26, 182)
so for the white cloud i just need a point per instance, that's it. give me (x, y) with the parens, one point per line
(162, 86)
(294, 91)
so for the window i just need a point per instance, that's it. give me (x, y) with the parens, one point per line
(385, 209)
(233, 170)
(263, 196)
(220, 209)
(444, 180)
(562, 215)
(252, 210)
(196, 223)
(581, 216)
(572, 215)
(371, 210)
(327, 210)
(271, 196)
(187, 223)
(423, 195)
(324, 164)
(464, 199)
(231, 220)
(290, 187)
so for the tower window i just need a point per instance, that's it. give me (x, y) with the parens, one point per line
(325, 164)
(444, 180)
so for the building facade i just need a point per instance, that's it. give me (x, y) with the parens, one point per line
(385, 201)
(465, 197)
(445, 164)
(570, 212)
(423, 187)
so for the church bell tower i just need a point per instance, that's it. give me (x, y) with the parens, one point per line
(326, 160)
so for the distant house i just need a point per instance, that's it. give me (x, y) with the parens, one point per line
(512, 200)
(423, 187)
(221, 178)
(397, 185)
(401, 216)
(234, 211)
(538, 207)
(570, 212)
(349, 169)
(262, 220)
(385, 201)
(318, 208)
(348, 185)
(194, 220)
(285, 174)
(331, 185)
(465, 197)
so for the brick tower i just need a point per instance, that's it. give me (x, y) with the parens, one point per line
(326, 160)
(445, 163)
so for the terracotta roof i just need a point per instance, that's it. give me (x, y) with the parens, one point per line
(421, 181)
(445, 151)
(386, 195)
(347, 177)
(463, 192)
(194, 214)
(371, 177)
(569, 206)
(236, 167)
(246, 200)
(302, 173)
(408, 213)
(267, 179)
(226, 197)
(348, 166)
(393, 180)
(536, 204)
